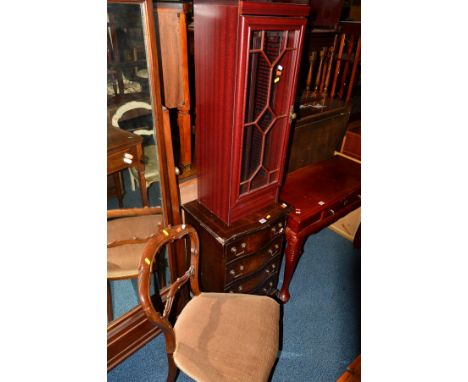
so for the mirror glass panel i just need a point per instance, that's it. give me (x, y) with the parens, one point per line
(132, 156)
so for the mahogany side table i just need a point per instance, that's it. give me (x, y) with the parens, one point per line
(319, 194)
(123, 151)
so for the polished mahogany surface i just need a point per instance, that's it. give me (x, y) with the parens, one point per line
(312, 189)
(244, 257)
(224, 33)
(319, 195)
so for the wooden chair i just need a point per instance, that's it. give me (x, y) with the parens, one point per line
(217, 336)
(127, 232)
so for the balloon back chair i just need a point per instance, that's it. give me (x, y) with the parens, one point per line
(127, 232)
(217, 336)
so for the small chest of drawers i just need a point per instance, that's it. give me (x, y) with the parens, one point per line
(244, 257)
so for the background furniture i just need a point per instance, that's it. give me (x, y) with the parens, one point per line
(132, 330)
(319, 194)
(124, 151)
(150, 157)
(172, 38)
(244, 257)
(246, 64)
(217, 336)
(330, 70)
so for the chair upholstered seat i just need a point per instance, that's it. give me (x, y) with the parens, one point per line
(122, 260)
(227, 337)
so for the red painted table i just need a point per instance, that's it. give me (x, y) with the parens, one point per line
(319, 194)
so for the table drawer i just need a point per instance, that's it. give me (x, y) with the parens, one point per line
(250, 264)
(251, 284)
(255, 241)
(342, 203)
(122, 159)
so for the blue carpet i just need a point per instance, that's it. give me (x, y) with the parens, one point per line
(320, 327)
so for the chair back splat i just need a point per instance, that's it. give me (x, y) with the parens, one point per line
(217, 336)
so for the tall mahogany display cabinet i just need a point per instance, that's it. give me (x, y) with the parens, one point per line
(247, 56)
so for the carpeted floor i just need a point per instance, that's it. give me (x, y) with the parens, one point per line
(320, 326)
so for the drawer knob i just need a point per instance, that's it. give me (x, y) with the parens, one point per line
(243, 245)
(240, 288)
(280, 225)
(273, 266)
(128, 160)
(332, 212)
(267, 270)
(345, 202)
(233, 249)
(270, 251)
(270, 283)
(276, 246)
(241, 268)
(232, 272)
(273, 229)
(128, 155)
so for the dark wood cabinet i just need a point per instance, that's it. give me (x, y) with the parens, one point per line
(244, 257)
(247, 57)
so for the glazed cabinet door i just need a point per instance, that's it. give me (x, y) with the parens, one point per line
(268, 65)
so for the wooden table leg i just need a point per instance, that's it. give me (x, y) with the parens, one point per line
(183, 122)
(141, 176)
(291, 257)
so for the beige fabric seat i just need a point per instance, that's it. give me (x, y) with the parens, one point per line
(127, 233)
(122, 260)
(217, 336)
(243, 337)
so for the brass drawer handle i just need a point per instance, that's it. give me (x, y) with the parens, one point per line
(331, 211)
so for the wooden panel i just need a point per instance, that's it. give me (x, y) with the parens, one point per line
(169, 38)
(215, 30)
(325, 13)
(316, 137)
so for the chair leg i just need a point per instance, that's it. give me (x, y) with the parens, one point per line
(172, 368)
(110, 316)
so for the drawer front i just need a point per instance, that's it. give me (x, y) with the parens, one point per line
(250, 264)
(269, 286)
(337, 206)
(255, 241)
(252, 283)
(122, 159)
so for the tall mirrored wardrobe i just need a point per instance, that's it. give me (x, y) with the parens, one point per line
(140, 169)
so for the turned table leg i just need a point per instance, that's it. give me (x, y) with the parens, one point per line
(292, 253)
(183, 121)
(141, 176)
